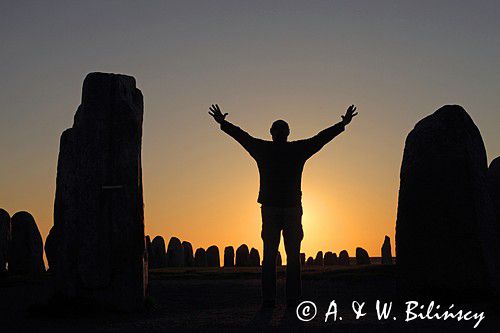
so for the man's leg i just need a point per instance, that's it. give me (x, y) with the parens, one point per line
(293, 234)
(271, 229)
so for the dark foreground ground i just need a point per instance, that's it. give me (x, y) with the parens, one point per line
(228, 299)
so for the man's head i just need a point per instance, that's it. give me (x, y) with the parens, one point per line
(280, 131)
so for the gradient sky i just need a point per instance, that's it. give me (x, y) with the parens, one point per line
(303, 61)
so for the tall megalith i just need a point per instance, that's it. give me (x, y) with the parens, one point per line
(446, 230)
(98, 209)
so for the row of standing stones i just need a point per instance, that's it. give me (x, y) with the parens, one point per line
(180, 254)
(448, 206)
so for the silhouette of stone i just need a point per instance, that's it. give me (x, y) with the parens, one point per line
(213, 258)
(362, 257)
(98, 208)
(175, 253)
(302, 259)
(310, 261)
(4, 239)
(188, 254)
(444, 211)
(254, 258)
(148, 250)
(242, 254)
(26, 245)
(494, 185)
(229, 256)
(279, 261)
(200, 258)
(386, 251)
(330, 259)
(158, 253)
(344, 258)
(318, 261)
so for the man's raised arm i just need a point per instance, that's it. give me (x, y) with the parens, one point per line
(246, 140)
(314, 144)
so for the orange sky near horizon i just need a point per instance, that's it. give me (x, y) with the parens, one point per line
(304, 62)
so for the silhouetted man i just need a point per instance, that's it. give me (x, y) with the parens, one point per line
(280, 164)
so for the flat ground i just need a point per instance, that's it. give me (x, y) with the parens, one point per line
(228, 299)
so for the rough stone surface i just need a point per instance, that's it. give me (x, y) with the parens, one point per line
(158, 253)
(318, 261)
(200, 258)
(175, 253)
(4, 239)
(446, 229)
(279, 261)
(213, 258)
(188, 254)
(344, 258)
(386, 251)
(331, 259)
(26, 245)
(229, 256)
(242, 254)
(254, 258)
(362, 257)
(98, 207)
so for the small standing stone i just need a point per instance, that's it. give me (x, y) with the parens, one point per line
(175, 253)
(26, 246)
(318, 261)
(344, 258)
(331, 259)
(254, 258)
(213, 258)
(242, 254)
(158, 253)
(200, 258)
(386, 251)
(188, 254)
(229, 256)
(362, 257)
(310, 261)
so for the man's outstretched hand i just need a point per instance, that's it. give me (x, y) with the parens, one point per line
(216, 113)
(349, 114)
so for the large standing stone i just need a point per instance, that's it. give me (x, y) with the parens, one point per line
(386, 251)
(98, 207)
(279, 261)
(200, 258)
(344, 258)
(362, 257)
(444, 211)
(494, 185)
(158, 253)
(188, 254)
(26, 245)
(254, 258)
(213, 258)
(229, 256)
(318, 261)
(175, 253)
(4, 239)
(242, 254)
(331, 259)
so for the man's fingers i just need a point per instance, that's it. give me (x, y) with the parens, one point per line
(217, 106)
(225, 114)
(355, 114)
(211, 113)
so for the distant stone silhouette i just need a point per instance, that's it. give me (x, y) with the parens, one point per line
(344, 258)
(302, 259)
(279, 261)
(318, 261)
(494, 185)
(229, 256)
(444, 210)
(98, 207)
(200, 258)
(213, 258)
(254, 258)
(26, 245)
(4, 239)
(310, 261)
(175, 253)
(362, 257)
(158, 253)
(386, 251)
(330, 259)
(242, 254)
(188, 254)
